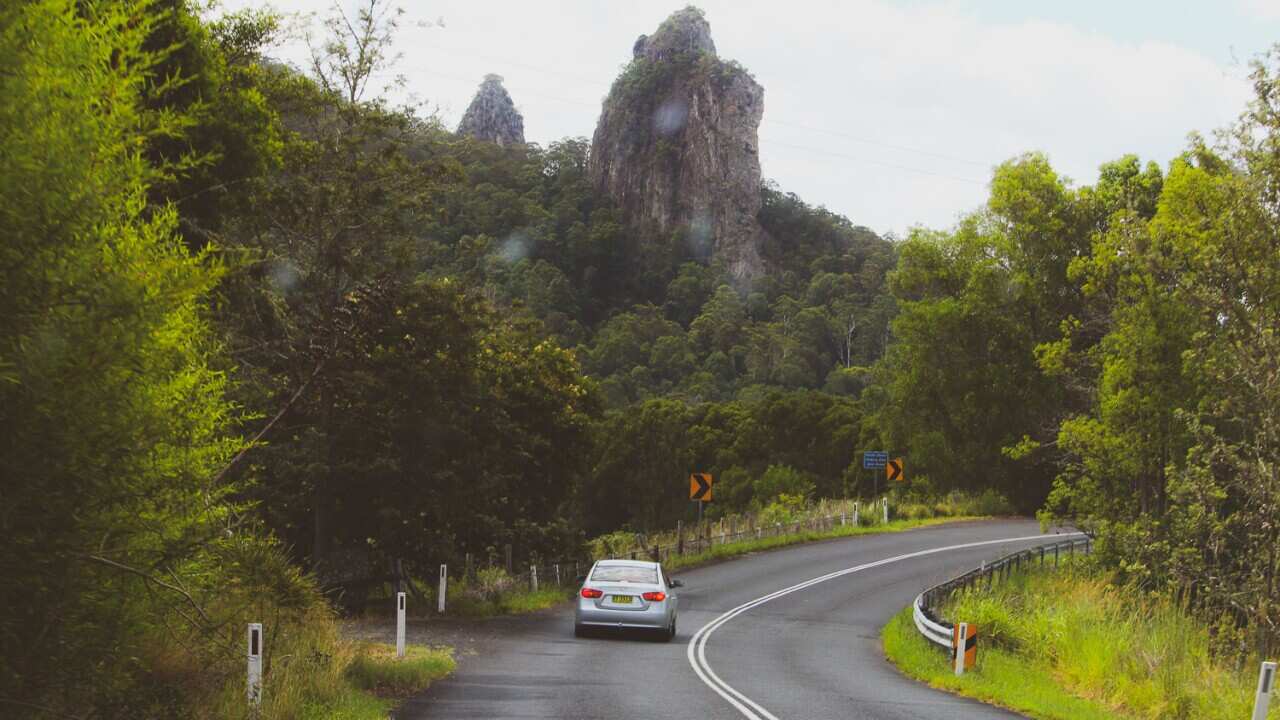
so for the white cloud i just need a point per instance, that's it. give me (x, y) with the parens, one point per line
(1265, 9)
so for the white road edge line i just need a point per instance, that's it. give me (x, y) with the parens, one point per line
(697, 649)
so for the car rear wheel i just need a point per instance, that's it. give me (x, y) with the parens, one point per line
(670, 632)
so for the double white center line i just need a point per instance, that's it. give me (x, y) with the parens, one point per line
(697, 651)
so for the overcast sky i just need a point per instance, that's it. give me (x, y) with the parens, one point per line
(890, 112)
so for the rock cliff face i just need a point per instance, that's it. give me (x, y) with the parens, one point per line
(676, 144)
(492, 116)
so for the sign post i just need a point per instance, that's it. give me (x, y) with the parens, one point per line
(399, 624)
(254, 681)
(1266, 684)
(444, 587)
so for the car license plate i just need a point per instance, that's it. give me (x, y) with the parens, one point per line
(622, 599)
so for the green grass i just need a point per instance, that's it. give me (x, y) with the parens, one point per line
(1070, 644)
(512, 602)
(376, 668)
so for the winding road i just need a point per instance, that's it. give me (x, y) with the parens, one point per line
(792, 633)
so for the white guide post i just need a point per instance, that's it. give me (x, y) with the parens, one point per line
(444, 582)
(886, 511)
(400, 624)
(254, 682)
(855, 513)
(557, 574)
(1266, 684)
(960, 642)
(533, 578)
(841, 519)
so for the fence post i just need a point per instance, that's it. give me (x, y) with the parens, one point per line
(400, 624)
(679, 538)
(253, 682)
(533, 578)
(1266, 683)
(1056, 547)
(444, 586)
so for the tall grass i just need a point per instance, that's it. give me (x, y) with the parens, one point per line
(1123, 652)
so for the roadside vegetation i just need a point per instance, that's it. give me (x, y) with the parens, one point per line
(1076, 644)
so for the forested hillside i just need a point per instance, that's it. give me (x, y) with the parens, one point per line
(260, 322)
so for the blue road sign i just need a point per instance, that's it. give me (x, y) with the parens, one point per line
(874, 459)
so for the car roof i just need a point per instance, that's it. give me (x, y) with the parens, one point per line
(627, 563)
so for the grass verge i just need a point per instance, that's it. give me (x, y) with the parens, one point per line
(1071, 645)
(744, 547)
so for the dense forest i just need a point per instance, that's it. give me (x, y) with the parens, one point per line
(263, 329)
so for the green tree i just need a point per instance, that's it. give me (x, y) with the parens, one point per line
(114, 424)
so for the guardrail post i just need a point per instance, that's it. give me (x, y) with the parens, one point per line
(1266, 683)
(400, 624)
(444, 587)
(253, 683)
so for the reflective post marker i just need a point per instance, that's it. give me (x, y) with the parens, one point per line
(885, 502)
(533, 578)
(444, 582)
(1266, 684)
(254, 684)
(557, 574)
(400, 624)
(965, 640)
(855, 513)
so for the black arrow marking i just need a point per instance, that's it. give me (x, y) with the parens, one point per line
(703, 486)
(895, 469)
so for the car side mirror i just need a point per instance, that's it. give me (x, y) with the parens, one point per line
(676, 583)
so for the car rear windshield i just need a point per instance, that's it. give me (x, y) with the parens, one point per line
(625, 573)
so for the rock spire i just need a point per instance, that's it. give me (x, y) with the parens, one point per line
(492, 116)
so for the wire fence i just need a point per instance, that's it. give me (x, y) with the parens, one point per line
(479, 573)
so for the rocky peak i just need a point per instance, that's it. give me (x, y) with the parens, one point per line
(676, 143)
(686, 30)
(492, 116)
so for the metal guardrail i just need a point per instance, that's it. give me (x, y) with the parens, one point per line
(924, 610)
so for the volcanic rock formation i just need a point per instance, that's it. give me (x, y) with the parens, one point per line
(676, 144)
(492, 116)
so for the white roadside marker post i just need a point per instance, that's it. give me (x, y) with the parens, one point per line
(886, 511)
(855, 513)
(557, 574)
(1266, 683)
(959, 640)
(444, 582)
(399, 624)
(533, 578)
(254, 682)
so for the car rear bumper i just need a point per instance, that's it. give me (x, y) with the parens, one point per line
(657, 615)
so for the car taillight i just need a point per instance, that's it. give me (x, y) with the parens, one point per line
(592, 593)
(654, 596)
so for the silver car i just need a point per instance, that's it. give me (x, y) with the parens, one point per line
(627, 594)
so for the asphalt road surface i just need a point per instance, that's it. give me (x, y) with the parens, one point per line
(813, 652)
